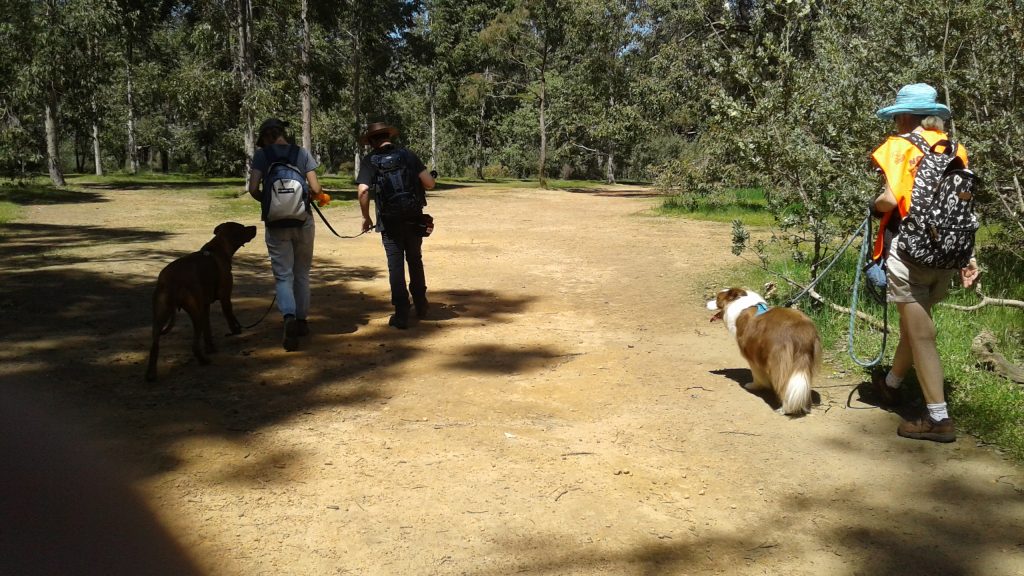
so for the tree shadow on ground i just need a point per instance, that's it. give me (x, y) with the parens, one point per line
(500, 359)
(617, 193)
(24, 245)
(46, 195)
(130, 184)
(909, 529)
(477, 304)
(76, 334)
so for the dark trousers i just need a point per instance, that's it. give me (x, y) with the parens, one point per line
(400, 249)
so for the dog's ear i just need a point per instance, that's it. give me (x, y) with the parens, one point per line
(735, 294)
(219, 229)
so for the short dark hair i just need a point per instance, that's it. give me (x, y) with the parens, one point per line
(273, 133)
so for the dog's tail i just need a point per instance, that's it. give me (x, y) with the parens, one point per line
(796, 370)
(163, 312)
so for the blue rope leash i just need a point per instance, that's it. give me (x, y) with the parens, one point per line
(863, 230)
(864, 250)
(821, 275)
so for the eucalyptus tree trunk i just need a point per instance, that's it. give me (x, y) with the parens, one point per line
(52, 143)
(433, 128)
(479, 141)
(133, 152)
(542, 160)
(96, 154)
(542, 177)
(609, 172)
(357, 64)
(304, 81)
(246, 73)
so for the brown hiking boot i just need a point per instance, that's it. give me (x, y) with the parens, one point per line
(924, 428)
(886, 395)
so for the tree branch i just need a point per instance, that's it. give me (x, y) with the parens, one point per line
(984, 347)
(867, 318)
(985, 301)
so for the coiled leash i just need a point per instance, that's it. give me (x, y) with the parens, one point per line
(861, 261)
(864, 229)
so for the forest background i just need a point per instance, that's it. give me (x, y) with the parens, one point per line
(700, 98)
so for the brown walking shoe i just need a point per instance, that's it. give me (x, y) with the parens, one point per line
(924, 428)
(886, 395)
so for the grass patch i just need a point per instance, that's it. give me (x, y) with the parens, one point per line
(9, 211)
(747, 204)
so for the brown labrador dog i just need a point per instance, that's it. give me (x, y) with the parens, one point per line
(193, 283)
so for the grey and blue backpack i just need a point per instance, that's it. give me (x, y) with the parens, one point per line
(285, 200)
(938, 231)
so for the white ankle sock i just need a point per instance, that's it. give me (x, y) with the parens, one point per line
(893, 381)
(937, 411)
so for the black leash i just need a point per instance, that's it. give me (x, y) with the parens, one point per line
(331, 228)
(333, 231)
(267, 311)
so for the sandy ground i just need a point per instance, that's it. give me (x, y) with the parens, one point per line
(565, 409)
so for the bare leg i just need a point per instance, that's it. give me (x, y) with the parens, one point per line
(917, 330)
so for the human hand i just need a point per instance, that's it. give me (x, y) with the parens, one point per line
(322, 199)
(969, 274)
(367, 223)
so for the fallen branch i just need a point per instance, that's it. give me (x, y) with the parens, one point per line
(984, 347)
(867, 318)
(986, 301)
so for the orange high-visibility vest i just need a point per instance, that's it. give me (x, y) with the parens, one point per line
(898, 159)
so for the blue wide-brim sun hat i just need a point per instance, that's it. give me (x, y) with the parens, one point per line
(917, 99)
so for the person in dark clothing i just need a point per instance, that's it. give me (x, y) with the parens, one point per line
(393, 172)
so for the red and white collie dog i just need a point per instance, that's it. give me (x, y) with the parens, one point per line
(780, 344)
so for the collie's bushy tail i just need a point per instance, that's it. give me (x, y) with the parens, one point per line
(796, 369)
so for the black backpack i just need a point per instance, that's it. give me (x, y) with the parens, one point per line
(399, 195)
(938, 231)
(285, 200)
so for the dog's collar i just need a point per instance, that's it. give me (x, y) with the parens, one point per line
(761, 308)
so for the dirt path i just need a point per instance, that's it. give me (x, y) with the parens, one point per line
(567, 409)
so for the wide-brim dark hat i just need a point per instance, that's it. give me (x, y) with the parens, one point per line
(270, 123)
(376, 129)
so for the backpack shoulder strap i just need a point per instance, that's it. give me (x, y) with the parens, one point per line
(293, 156)
(270, 154)
(918, 141)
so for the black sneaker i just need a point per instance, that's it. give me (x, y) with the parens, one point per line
(400, 321)
(422, 307)
(291, 333)
(301, 327)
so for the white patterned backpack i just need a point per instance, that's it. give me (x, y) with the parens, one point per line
(939, 229)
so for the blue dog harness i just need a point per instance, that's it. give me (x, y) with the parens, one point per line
(761, 308)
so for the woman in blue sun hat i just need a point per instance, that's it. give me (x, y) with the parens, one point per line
(914, 288)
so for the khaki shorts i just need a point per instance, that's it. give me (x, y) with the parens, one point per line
(910, 282)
